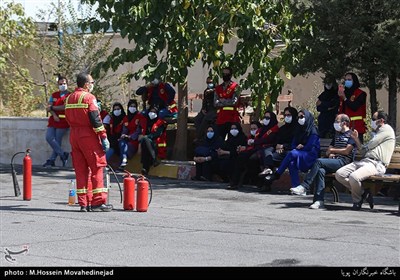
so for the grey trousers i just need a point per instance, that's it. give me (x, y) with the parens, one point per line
(352, 174)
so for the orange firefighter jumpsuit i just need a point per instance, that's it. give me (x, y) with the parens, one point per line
(88, 157)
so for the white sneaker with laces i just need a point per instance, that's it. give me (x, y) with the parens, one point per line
(299, 190)
(317, 205)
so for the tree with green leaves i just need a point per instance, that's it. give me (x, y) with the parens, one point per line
(358, 36)
(173, 35)
(17, 33)
(24, 42)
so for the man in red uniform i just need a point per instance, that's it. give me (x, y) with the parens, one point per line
(353, 102)
(227, 101)
(57, 125)
(89, 142)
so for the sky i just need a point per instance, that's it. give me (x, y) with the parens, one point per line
(32, 7)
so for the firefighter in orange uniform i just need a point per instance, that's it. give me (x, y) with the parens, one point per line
(89, 142)
(353, 102)
(227, 101)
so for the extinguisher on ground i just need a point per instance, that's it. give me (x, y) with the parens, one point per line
(27, 177)
(143, 200)
(129, 191)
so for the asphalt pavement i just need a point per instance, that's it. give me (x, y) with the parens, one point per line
(192, 224)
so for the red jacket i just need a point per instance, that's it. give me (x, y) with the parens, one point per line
(58, 100)
(227, 113)
(163, 94)
(357, 118)
(161, 141)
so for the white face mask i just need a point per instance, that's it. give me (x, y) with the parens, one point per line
(374, 126)
(253, 132)
(155, 82)
(132, 109)
(91, 86)
(288, 119)
(62, 87)
(302, 121)
(152, 115)
(337, 126)
(117, 113)
(234, 132)
(266, 122)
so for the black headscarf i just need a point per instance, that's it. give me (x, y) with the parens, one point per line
(117, 120)
(208, 147)
(132, 102)
(303, 132)
(234, 141)
(356, 84)
(272, 122)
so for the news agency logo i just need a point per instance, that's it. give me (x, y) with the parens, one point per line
(9, 254)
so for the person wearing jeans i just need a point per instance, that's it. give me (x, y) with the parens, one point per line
(339, 153)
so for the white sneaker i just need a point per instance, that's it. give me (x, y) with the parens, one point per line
(299, 190)
(124, 162)
(317, 205)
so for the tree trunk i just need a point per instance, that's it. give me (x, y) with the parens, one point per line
(372, 94)
(180, 147)
(393, 99)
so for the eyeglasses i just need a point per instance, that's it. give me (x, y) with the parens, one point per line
(301, 116)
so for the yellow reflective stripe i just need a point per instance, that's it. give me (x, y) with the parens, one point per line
(98, 129)
(78, 105)
(75, 106)
(356, 118)
(228, 108)
(81, 191)
(172, 106)
(61, 116)
(100, 190)
(81, 98)
(162, 145)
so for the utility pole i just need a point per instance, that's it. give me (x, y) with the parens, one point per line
(60, 34)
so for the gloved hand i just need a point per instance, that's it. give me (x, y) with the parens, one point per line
(106, 144)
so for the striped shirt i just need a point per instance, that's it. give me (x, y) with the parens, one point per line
(340, 141)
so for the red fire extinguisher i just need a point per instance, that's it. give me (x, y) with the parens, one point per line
(27, 177)
(129, 192)
(143, 187)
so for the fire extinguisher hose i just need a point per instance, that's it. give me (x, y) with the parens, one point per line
(116, 178)
(17, 190)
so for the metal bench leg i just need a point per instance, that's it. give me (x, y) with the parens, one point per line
(334, 192)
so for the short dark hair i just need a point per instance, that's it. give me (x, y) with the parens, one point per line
(383, 115)
(82, 79)
(61, 78)
(345, 118)
(229, 69)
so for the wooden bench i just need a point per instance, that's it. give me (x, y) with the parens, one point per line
(376, 181)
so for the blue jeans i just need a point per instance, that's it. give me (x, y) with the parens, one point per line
(127, 150)
(54, 138)
(317, 173)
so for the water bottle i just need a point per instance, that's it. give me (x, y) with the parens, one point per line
(72, 193)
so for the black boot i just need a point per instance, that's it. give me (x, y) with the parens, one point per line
(272, 177)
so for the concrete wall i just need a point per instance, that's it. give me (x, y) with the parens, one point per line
(19, 134)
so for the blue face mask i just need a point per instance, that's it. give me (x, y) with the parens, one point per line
(348, 83)
(211, 85)
(210, 134)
